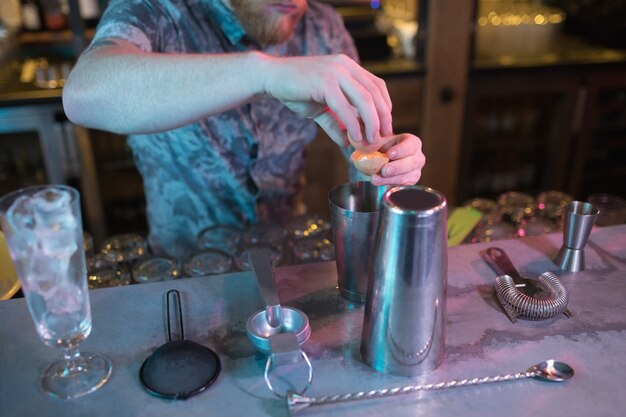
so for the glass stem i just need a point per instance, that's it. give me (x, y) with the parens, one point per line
(72, 358)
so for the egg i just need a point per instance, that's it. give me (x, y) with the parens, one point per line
(366, 157)
(364, 146)
(369, 163)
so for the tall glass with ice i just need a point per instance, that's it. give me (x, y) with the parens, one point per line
(44, 233)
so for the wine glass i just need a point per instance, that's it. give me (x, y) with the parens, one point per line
(44, 233)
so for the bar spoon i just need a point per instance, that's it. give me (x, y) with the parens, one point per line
(549, 370)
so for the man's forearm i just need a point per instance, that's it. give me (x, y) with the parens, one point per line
(117, 87)
(126, 91)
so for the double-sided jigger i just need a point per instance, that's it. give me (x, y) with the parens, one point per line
(276, 330)
(578, 221)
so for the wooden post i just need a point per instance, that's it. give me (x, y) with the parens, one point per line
(450, 24)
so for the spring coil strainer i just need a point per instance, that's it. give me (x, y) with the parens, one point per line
(531, 308)
(524, 298)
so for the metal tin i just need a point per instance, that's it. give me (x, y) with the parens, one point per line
(405, 307)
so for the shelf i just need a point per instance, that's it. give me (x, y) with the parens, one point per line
(566, 51)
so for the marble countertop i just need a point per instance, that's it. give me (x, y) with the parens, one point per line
(480, 341)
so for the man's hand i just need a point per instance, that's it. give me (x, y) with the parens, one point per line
(334, 91)
(406, 161)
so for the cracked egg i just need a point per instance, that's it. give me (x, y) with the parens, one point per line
(367, 158)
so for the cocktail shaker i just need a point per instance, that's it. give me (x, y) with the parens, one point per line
(405, 307)
(354, 212)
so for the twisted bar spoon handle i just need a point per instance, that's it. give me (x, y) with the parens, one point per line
(548, 370)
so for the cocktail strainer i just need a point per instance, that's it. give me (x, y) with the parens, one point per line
(181, 368)
(523, 298)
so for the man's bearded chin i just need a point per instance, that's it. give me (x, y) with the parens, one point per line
(265, 28)
(272, 32)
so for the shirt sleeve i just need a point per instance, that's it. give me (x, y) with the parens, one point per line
(134, 21)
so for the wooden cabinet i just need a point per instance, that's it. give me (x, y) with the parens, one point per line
(517, 133)
(529, 123)
(599, 159)
(543, 129)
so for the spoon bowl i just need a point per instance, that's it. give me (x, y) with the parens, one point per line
(552, 370)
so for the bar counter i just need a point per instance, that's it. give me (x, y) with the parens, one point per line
(129, 323)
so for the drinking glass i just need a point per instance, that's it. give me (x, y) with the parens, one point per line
(313, 249)
(307, 226)
(223, 238)
(612, 208)
(44, 232)
(516, 206)
(207, 262)
(155, 268)
(242, 261)
(102, 272)
(264, 234)
(125, 247)
(552, 204)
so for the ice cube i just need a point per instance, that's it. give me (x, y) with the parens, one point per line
(59, 244)
(52, 209)
(21, 224)
(52, 198)
(55, 224)
(65, 299)
(20, 214)
(44, 272)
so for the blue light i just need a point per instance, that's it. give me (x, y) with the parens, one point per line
(375, 4)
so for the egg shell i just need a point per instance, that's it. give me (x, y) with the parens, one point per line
(364, 146)
(369, 163)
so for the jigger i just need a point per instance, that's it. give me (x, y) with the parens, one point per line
(578, 220)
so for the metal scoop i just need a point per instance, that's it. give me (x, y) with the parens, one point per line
(277, 331)
(274, 319)
(524, 298)
(262, 266)
(549, 370)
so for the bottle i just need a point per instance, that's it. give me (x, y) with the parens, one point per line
(54, 14)
(90, 12)
(31, 16)
(10, 15)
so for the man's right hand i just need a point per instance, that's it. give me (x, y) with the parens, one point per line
(334, 91)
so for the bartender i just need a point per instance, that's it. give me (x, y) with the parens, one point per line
(219, 99)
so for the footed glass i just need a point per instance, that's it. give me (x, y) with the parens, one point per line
(44, 233)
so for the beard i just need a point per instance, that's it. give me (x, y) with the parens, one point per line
(264, 25)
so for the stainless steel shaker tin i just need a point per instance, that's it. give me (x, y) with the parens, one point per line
(354, 210)
(405, 307)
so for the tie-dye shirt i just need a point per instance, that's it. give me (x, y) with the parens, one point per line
(233, 168)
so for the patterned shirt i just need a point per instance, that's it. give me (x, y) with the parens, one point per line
(229, 169)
